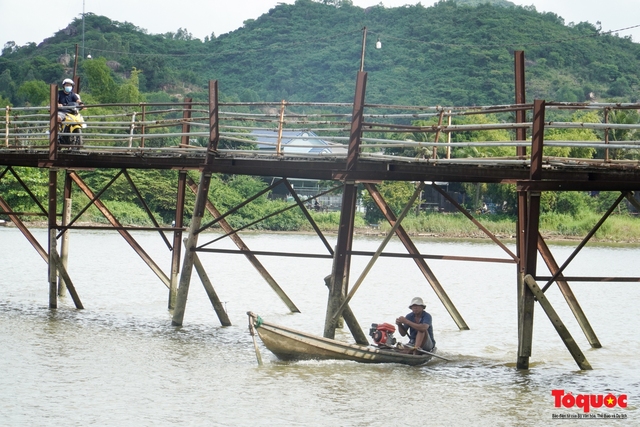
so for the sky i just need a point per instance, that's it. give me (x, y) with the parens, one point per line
(25, 21)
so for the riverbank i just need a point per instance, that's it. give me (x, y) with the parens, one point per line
(623, 230)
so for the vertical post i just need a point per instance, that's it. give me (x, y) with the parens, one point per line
(341, 257)
(198, 211)
(214, 133)
(190, 254)
(449, 136)
(76, 83)
(177, 239)
(357, 117)
(280, 126)
(364, 44)
(75, 63)
(521, 134)
(525, 295)
(143, 127)
(521, 222)
(53, 288)
(606, 134)
(64, 240)
(6, 127)
(186, 122)
(53, 122)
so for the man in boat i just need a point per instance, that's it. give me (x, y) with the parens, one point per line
(418, 325)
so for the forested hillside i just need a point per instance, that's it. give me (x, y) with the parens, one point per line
(451, 53)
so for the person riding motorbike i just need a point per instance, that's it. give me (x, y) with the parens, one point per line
(69, 118)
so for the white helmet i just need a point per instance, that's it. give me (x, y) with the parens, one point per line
(68, 82)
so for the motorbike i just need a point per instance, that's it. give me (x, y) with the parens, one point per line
(71, 124)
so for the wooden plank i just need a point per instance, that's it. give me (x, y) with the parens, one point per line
(568, 340)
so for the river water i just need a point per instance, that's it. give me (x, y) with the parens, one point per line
(119, 362)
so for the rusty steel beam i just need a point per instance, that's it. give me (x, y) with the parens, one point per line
(307, 215)
(113, 221)
(51, 228)
(211, 293)
(146, 208)
(24, 229)
(28, 190)
(585, 241)
(595, 279)
(521, 115)
(532, 223)
(341, 258)
(420, 262)
(236, 208)
(568, 294)
(214, 125)
(244, 249)
(355, 135)
(566, 337)
(475, 221)
(186, 125)
(578, 185)
(53, 122)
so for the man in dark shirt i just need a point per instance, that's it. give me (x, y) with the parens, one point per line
(418, 325)
(67, 96)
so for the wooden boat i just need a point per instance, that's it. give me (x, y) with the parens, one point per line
(289, 344)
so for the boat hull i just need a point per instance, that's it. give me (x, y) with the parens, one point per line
(290, 344)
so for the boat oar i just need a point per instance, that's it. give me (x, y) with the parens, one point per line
(252, 331)
(430, 354)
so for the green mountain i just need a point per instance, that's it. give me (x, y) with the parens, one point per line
(453, 53)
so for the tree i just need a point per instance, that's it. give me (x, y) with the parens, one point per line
(129, 92)
(34, 92)
(395, 193)
(100, 82)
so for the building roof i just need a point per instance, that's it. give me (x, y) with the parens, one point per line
(302, 142)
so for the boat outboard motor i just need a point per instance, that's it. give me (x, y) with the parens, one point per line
(382, 334)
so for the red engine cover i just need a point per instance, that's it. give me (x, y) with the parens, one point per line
(387, 327)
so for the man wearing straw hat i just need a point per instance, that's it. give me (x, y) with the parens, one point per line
(418, 325)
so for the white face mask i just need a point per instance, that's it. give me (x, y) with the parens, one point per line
(68, 89)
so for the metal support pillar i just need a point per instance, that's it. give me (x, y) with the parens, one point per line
(53, 122)
(341, 256)
(190, 254)
(64, 240)
(531, 225)
(420, 262)
(53, 283)
(521, 115)
(198, 211)
(341, 259)
(177, 240)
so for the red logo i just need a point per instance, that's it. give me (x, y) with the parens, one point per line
(588, 401)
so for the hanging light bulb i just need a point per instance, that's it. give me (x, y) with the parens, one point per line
(378, 44)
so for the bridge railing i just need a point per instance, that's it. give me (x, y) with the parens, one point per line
(581, 133)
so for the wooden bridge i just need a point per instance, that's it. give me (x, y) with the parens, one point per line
(333, 141)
